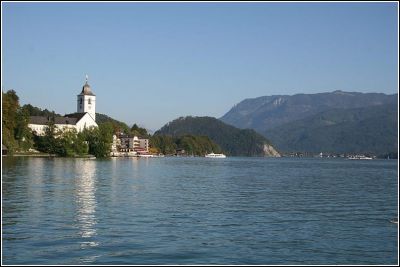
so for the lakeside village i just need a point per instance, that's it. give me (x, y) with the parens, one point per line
(75, 134)
(122, 144)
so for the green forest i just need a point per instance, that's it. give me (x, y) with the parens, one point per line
(186, 145)
(232, 141)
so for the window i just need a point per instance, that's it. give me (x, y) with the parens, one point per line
(80, 102)
(90, 101)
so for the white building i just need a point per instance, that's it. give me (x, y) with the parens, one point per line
(87, 101)
(129, 143)
(85, 117)
(144, 143)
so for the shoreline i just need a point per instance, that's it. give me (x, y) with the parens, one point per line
(46, 156)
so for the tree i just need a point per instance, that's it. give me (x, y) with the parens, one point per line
(35, 111)
(99, 139)
(117, 125)
(80, 145)
(138, 131)
(66, 143)
(10, 106)
(22, 133)
(48, 142)
(163, 143)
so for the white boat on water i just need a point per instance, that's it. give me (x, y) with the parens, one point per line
(146, 156)
(212, 155)
(359, 157)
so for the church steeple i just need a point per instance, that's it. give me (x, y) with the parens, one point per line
(87, 100)
(86, 89)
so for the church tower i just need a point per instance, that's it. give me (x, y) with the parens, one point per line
(87, 101)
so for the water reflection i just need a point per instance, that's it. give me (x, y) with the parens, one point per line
(86, 202)
(36, 167)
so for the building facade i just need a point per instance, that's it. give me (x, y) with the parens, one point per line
(129, 143)
(85, 117)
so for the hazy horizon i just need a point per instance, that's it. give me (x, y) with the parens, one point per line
(150, 63)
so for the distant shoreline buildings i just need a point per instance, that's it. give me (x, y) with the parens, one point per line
(129, 145)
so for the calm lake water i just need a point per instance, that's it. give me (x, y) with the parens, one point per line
(199, 211)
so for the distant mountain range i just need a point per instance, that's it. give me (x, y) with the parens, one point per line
(337, 122)
(233, 141)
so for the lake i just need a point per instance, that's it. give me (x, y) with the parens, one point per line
(177, 210)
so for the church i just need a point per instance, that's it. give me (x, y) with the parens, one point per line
(85, 117)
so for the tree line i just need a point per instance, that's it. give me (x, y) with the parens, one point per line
(186, 145)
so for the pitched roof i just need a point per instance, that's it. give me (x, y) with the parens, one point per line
(65, 120)
(75, 115)
(38, 120)
(43, 120)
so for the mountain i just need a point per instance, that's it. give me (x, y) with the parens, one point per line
(233, 141)
(361, 130)
(341, 122)
(268, 112)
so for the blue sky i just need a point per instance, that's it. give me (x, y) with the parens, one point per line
(149, 63)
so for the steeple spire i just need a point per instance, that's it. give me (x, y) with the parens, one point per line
(86, 90)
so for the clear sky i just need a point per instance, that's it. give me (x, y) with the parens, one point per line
(149, 63)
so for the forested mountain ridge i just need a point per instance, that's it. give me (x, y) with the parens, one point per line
(369, 130)
(337, 122)
(233, 141)
(268, 112)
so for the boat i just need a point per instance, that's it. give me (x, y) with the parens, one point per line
(146, 156)
(212, 155)
(359, 157)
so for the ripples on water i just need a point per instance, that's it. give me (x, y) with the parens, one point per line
(199, 211)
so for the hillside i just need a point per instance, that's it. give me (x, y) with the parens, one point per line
(268, 112)
(363, 130)
(337, 122)
(118, 125)
(189, 145)
(233, 141)
(35, 111)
